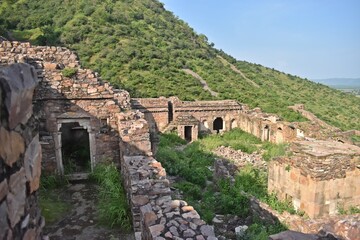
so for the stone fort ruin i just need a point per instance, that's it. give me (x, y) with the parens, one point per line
(78, 110)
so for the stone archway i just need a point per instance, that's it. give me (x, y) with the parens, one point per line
(266, 133)
(218, 124)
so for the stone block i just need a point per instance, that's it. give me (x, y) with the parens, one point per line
(30, 234)
(18, 82)
(4, 189)
(11, 147)
(150, 218)
(16, 197)
(156, 230)
(4, 226)
(32, 163)
(50, 66)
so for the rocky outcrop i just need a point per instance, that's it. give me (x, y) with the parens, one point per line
(20, 155)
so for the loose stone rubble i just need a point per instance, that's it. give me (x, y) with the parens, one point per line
(240, 159)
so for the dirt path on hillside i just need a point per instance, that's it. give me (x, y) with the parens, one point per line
(236, 70)
(202, 81)
(81, 222)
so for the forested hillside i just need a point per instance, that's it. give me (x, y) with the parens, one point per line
(143, 48)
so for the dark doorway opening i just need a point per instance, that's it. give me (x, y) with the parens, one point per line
(266, 133)
(75, 148)
(218, 124)
(188, 133)
(170, 114)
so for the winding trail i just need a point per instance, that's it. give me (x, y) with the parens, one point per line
(202, 81)
(236, 70)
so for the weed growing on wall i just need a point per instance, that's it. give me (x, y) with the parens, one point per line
(69, 72)
(112, 204)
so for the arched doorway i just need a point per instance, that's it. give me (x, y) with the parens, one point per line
(218, 124)
(266, 133)
(204, 126)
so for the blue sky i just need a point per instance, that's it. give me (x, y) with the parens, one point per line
(313, 39)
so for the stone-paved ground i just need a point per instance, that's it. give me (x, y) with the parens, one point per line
(81, 222)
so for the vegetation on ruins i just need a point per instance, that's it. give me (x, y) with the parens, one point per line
(141, 47)
(192, 163)
(69, 72)
(52, 207)
(112, 204)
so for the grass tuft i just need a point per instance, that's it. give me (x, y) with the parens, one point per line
(113, 207)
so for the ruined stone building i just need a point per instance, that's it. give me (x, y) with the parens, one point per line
(201, 117)
(80, 121)
(319, 178)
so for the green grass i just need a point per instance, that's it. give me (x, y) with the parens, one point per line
(274, 150)
(30, 35)
(69, 72)
(356, 139)
(222, 197)
(112, 205)
(50, 182)
(52, 207)
(236, 138)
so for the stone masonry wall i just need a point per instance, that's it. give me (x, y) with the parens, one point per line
(155, 214)
(78, 98)
(20, 155)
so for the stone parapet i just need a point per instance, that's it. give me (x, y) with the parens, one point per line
(20, 155)
(155, 214)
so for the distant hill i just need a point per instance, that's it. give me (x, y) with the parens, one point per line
(139, 46)
(340, 83)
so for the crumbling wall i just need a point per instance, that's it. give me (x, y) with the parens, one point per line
(155, 214)
(207, 111)
(20, 155)
(267, 127)
(345, 227)
(73, 97)
(319, 178)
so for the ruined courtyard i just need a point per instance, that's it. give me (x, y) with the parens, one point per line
(42, 106)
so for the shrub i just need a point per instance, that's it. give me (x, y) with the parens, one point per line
(49, 182)
(192, 190)
(273, 150)
(69, 72)
(170, 140)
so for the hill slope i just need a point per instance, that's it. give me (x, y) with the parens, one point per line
(139, 46)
